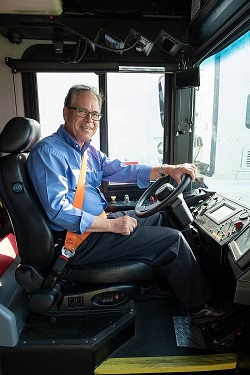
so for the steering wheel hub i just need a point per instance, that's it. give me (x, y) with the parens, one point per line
(163, 191)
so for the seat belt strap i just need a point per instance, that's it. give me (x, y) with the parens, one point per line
(80, 189)
(73, 240)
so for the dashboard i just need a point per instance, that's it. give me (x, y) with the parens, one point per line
(224, 227)
(222, 218)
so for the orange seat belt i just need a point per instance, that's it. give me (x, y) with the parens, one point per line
(73, 240)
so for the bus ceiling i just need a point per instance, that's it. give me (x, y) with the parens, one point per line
(172, 32)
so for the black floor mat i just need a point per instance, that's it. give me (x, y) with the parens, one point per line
(162, 329)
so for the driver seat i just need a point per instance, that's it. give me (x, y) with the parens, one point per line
(55, 286)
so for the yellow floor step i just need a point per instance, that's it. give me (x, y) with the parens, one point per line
(169, 364)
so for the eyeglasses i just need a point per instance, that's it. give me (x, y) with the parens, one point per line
(82, 112)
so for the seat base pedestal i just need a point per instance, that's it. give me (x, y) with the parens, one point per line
(60, 345)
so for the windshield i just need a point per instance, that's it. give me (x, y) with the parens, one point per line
(222, 121)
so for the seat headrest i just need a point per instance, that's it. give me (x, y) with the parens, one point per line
(19, 135)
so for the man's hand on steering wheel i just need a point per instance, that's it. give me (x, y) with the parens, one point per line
(176, 171)
(166, 194)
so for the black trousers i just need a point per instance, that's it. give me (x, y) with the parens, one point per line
(161, 246)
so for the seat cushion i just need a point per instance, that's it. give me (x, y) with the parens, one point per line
(109, 272)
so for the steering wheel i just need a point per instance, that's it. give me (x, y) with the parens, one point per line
(166, 194)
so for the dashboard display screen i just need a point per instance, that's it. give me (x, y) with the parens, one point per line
(222, 212)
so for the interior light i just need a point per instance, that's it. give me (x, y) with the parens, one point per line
(46, 7)
(149, 69)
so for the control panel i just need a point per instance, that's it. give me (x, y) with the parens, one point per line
(109, 298)
(191, 197)
(221, 218)
(124, 205)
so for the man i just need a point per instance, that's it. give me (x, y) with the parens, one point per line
(54, 166)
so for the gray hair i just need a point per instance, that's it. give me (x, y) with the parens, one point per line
(74, 90)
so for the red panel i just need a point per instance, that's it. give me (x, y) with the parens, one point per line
(8, 252)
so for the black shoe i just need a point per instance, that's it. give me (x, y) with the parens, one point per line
(208, 315)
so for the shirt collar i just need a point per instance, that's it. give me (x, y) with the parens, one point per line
(62, 132)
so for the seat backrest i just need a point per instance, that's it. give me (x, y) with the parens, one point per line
(33, 234)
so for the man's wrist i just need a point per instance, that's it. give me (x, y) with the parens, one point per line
(162, 171)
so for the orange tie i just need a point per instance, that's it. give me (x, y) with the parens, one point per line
(73, 240)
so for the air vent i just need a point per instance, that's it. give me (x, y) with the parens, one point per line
(245, 161)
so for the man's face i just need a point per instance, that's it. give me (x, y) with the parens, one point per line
(81, 129)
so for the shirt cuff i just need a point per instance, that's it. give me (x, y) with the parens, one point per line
(86, 221)
(143, 177)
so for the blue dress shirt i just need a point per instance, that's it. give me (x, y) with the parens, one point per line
(54, 166)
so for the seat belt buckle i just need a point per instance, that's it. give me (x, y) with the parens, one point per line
(67, 253)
